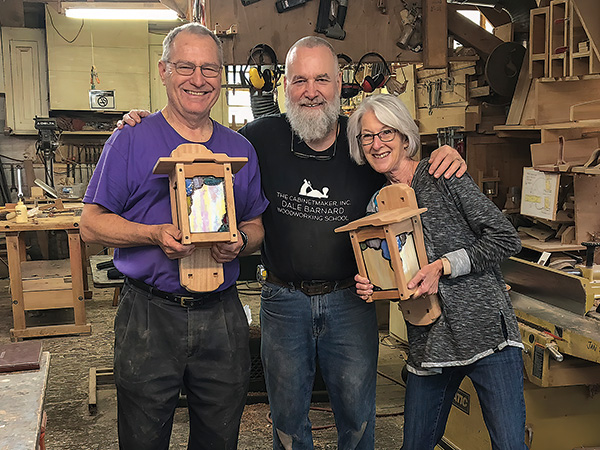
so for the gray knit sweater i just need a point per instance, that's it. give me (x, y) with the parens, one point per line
(477, 317)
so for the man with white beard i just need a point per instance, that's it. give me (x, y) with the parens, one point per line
(309, 308)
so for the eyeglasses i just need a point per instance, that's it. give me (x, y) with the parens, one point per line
(319, 157)
(386, 135)
(187, 68)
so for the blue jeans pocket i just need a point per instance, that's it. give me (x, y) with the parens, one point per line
(270, 291)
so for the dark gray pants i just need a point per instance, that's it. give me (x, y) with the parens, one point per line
(161, 347)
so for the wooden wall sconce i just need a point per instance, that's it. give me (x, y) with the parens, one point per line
(389, 249)
(202, 207)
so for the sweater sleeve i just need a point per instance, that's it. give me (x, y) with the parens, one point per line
(496, 238)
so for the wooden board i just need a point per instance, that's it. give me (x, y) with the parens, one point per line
(554, 98)
(20, 356)
(435, 35)
(52, 299)
(22, 397)
(587, 206)
(517, 104)
(590, 19)
(553, 245)
(200, 272)
(34, 270)
(585, 110)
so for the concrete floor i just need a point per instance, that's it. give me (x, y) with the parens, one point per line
(70, 426)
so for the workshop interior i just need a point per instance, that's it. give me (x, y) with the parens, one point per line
(513, 85)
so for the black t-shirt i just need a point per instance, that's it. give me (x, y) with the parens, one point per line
(308, 198)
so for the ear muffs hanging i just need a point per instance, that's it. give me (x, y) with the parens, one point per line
(262, 81)
(373, 81)
(259, 78)
(349, 88)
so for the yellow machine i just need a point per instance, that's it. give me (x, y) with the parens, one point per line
(560, 329)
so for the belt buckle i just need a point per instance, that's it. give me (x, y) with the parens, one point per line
(314, 287)
(183, 300)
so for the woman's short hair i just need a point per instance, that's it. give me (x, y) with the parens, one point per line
(391, 112)
(194, 28)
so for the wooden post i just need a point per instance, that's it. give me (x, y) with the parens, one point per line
(77, 276)
(13, 248)
(435, 34)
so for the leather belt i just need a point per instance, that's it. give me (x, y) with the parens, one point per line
(313, 287)
(183, 300)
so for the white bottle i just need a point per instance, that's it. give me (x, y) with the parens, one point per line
(21, 212)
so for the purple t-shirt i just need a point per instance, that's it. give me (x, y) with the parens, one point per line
(124, 184)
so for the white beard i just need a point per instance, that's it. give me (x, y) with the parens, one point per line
(312, 125)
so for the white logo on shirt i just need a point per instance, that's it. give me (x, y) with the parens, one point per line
(307, 190)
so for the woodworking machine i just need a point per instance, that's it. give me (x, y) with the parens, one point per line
(560, 329)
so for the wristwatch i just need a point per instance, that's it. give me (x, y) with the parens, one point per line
(244, 241)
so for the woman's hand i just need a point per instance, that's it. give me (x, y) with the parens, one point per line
(364, 288)
(426, 280)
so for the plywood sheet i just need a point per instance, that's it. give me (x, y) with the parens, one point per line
(554, 98)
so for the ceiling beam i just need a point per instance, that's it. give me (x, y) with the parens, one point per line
(470, 34)
(12, 13)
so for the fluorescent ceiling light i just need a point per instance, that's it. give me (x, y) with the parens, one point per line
(118, 11)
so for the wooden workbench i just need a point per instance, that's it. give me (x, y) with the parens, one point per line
(22, 399)
(43, 285)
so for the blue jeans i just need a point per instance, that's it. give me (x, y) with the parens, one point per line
(339, 330)
(498, 380)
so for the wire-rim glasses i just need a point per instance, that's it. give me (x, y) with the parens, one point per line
(187, 68)
(386, 135)
(324, 157)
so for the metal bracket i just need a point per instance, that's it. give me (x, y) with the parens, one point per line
(229, 32)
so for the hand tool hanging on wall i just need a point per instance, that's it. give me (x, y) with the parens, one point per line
(13, 186)
(332, 15)
(286, 5)
(5, 194)
(411, 36)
